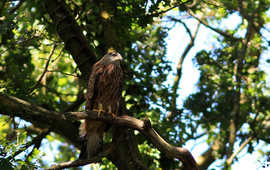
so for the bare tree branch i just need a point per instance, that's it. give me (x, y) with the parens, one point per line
(230, 160)
(179, 67)
(225, 34)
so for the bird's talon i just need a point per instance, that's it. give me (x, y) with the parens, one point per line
(99, 111)
(112, 114)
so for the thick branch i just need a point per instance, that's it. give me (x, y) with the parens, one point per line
(210, 155)
(39, 116)
(14, 106)
(145, 128)
(70, 32)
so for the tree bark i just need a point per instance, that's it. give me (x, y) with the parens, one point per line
(70, 32)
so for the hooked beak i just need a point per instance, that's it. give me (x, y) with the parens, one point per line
(119, 57)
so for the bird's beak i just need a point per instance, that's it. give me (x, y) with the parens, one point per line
(119, 57)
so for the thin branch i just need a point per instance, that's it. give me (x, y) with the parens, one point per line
(78, 162)
(179, 67)
(58, 55)
(230, 160)
(44, 71)
(80, 99)
(257, 28)
(225, 34)
(3, 5)
(16, 7)
(160, 12)
(67, 74)
(38, 139)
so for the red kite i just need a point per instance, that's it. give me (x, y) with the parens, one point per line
(103, 94)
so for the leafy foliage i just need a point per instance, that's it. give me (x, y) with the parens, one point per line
(36, 66)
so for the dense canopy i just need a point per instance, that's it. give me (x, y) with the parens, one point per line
(47, 51)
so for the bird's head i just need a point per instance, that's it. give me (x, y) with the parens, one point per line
(113, 57)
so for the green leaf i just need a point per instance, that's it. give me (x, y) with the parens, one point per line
(22, 137)
(235, 3)
(5, 164)
(35, 153)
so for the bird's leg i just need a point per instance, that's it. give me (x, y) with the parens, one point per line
(110, 111)
(99, 109)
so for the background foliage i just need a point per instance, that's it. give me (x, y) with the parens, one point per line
(231, 103)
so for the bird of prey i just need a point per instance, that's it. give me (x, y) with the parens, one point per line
(103, 94)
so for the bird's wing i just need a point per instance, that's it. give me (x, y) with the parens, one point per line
(93, 79)
(120, 86)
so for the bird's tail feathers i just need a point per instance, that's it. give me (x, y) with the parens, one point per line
(91, 142)
(94, 144)
(82, 128)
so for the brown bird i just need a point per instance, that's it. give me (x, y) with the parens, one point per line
(103, 94)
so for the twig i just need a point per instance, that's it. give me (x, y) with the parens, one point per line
(80, 99)
(225, 34)
(16, 7)
(179, 68)
(230, 160)
(38, 139)
(160, 12)
(44, 71)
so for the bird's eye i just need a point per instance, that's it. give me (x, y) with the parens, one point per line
(114, 54)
